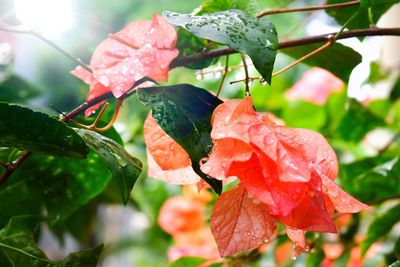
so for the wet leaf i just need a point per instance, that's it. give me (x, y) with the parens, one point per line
(124, 168)
(26, 129)
(255, 37)
(184, 113)
(58, 185)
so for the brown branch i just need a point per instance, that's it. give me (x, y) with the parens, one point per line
(307, 8)
(329, 43)
(7, 28)
(246, 72)
(223, 75)
(182, 61)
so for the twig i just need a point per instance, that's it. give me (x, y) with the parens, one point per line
(243, 80)
(38, 35)
(308, 8)
(330, 41)
(223, 75)
(10, 167)
(246, 73)
(182, 61)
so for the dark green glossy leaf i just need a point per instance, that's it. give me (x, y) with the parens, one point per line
(188, 44)
(255, 37)
(187, 262)
(26, 129)
(371, 184)
(338, 59)
(184, 113)
(356, 122)
(84, 258)
(60, 185)
(395, 264)
(18, 245)
(380, 227)
(397, 248)
(125, 168)
(17, 90)
(210, 6)
(378, 7)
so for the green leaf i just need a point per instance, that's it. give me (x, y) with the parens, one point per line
(371, 185)
(60, 185)
(184, 113)
(395, 264)
(302, 114)
(397, 248)
(255, 37)
(125, 168)
(84, 258)
(26, 129)
(378, 7)
(380, 227)
(356, 122)
(338, 59)
(210, 6)
(17, 90)
(18, 245)
(188, 44)
(187, 262)
(315, 257)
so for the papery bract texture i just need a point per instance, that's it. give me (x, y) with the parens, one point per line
(167, 160)
(291, 171)
(239, 222)
(142, 49)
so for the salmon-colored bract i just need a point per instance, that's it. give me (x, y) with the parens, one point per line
(291, 171)
(144, 48)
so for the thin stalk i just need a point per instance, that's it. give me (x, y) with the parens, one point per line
(307, 8)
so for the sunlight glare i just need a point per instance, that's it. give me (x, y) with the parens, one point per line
(50, 17)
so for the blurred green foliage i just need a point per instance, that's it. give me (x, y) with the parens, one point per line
(67, 194)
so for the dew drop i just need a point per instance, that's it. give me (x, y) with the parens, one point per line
(294, 258)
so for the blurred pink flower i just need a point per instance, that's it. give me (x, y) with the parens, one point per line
(315, 86)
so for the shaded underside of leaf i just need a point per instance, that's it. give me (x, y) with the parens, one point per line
(18, 245)
(184, 113)
(236, 29)
(338, 59)
(25, 129)
(125, 168)
(59, 185)
(378, 8)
